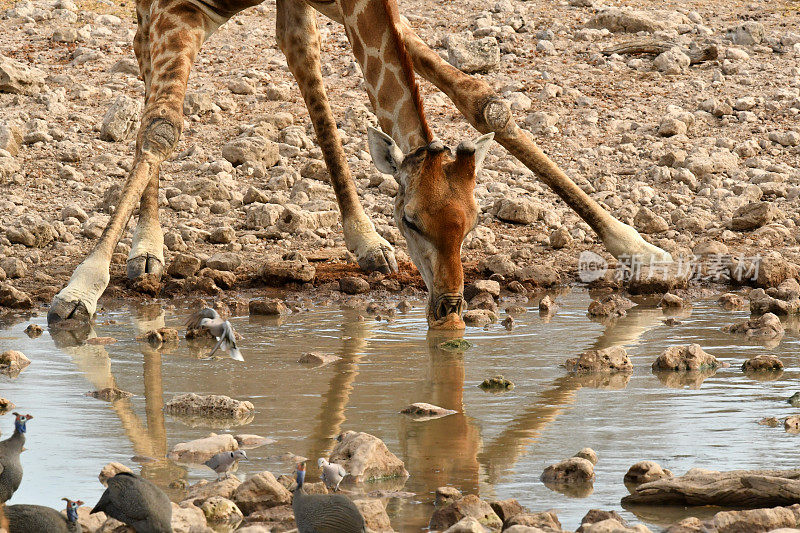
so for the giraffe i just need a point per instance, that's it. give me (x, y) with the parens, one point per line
(435, 207)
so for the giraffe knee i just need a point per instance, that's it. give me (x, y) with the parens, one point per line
(496, 115)
(160, 136)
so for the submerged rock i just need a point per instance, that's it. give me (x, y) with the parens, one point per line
(5, 405)
(794, 399)
(34, 331)
(730, 301)
(792, 424)
(252, 441)
(317, 359)
(767, 326)
(547, 306)
(200, 450)
(109, 394)
(496, 384)
(769, 421)
(268, 307)
(13, 362)
(645, 472)
(588, 454)
(426, 411)
(606, 360)
(763, 363)
(611, 306)
(685, 358)
(479, 317)
(455, 345)
(469, 506)
(366, 457)
(674, 301)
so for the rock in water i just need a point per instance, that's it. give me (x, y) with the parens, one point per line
(425, 411)
(685, 359)
(366, 457)
(496, 384)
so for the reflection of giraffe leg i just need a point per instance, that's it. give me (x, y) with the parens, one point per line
(446, 448)
(298, 37)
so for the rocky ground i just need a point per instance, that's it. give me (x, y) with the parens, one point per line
(701, 157)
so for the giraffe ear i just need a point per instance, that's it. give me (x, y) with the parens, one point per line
(482, 145)
(386, 155)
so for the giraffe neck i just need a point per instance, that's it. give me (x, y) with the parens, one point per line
(372, 27)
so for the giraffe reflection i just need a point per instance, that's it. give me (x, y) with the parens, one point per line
(149, 438)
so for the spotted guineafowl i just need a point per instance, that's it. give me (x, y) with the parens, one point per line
(10, 467)
(137, 502)
(24, 518)
(324, 513)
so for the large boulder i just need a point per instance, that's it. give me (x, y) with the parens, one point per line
(203, 489)
(473, 55)
(121, 119)
(262, 491)
(768, 326)
(621, 20)
(16, 77)
(374, 513)
(645, 472)
(186, 518)
(251, 149)
(366, 457)
(468, 506)
(221, 512)
(200, 450)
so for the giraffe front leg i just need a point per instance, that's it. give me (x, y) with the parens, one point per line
(178, 22)
(373, 252)
(147, 248)
(298, 38)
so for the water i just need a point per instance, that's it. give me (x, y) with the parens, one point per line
(496, 446)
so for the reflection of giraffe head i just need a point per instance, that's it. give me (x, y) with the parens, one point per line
(435, 209)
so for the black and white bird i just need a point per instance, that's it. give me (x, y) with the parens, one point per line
(210, 320)
(324, 513)
(24, 518)
(332, 473)
(136, 502)
(222, 463)
(10, 465)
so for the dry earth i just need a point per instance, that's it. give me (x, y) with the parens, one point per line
(674, 149)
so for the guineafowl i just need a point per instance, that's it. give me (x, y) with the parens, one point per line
(324, 513)
(24, 518)
(222, 463)
(332, 473)
(10, 467)
(136, 502)
(210, 320)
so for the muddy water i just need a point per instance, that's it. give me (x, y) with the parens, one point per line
(496, 446)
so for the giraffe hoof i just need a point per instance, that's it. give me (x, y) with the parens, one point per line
(379, 259)
(64, 309)
(144, 264)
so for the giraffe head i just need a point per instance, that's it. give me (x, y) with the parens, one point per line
(435, 209)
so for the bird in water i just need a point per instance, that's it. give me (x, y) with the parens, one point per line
(135, 501)
(222, 330)
(324, 513)
(10, 466)
(222, 463)
(332, 473)
(23, 518)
